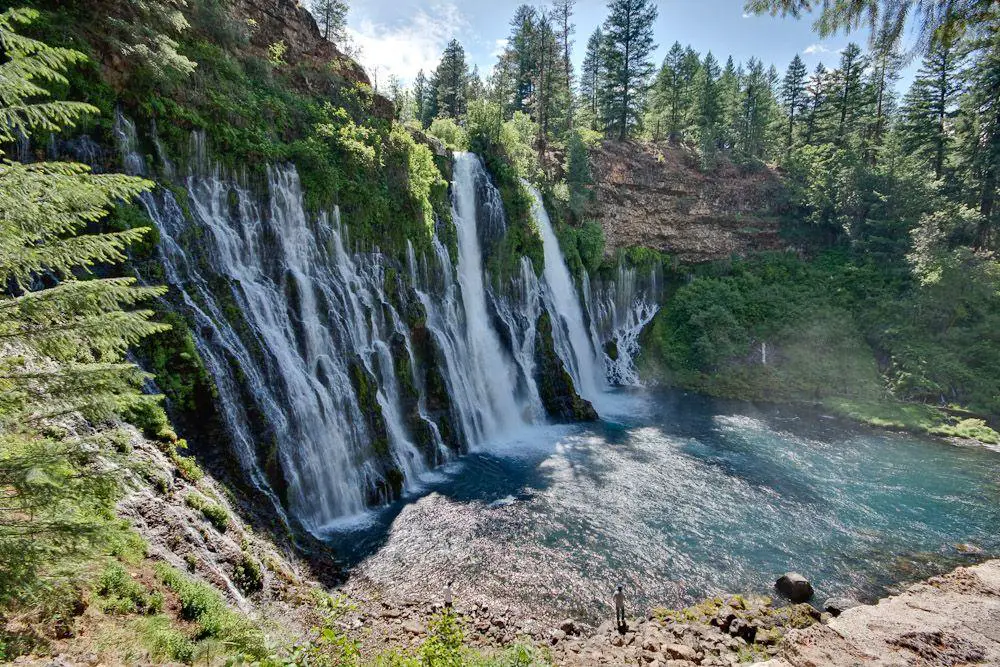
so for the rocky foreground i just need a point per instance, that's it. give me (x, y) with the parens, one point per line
(949, 620)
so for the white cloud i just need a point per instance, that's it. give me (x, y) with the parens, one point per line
(413, 45)
(813, 49)
(499, 46)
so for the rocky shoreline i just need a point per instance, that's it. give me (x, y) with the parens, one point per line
(946, 620)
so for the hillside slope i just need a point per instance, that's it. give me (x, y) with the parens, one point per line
(656, 196)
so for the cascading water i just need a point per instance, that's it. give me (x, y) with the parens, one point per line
(324, 388)
(573, 342)
(618, 311)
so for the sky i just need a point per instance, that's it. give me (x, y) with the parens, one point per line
(403, 36)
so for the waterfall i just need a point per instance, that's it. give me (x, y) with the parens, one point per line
(619, 309)
(574, 344)
(332, 399)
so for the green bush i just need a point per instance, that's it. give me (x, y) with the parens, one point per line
(202, 605)
(451, 133)
(247, 574)
(120, 594)
(215, 513)
(165, 642)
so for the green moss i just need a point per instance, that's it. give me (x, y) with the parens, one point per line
(247, 574)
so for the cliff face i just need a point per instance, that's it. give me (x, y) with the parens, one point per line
(657, 197)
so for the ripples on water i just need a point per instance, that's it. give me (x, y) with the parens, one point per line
(679, 497)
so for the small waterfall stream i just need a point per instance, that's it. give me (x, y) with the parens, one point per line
(322, 384)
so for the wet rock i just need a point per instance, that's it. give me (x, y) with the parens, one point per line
(794, 586)
(838, 605)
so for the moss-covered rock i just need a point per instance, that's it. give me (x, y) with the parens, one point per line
(555, 386)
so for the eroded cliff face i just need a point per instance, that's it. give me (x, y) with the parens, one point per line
(656, 196)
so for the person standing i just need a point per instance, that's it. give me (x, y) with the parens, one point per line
(619, 599)
(448, 595)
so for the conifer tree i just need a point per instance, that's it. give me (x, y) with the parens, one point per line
(817, 101)
(885, 66)
(793, 97)
(562, 19)
(451, 82)
(729, 104)
(331, 17)
(628, 44)
(419, 94)
(590, 78)
(849, 90)
(64, 345)
(708, 107)
(930, 105)
(980, 131)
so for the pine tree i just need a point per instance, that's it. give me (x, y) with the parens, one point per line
(980, 132)
(331, 17)
(708, 105)
(520, 52)
(64, 346)
(817, 102)
(628, 44)
(419, 95)
(451, 82)
(591, 78)
(757, 111)
(562, 18)
(885, 66)
(793, 96)
(849, 90)
(729, 105)
(930, 105)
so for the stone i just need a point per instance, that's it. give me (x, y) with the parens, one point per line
(838, 605)
(680, 652)
(617, 640)
(413, 627)
(569, 627)
(794, 586)
(557, 636)
(500, 623)
(391, 613)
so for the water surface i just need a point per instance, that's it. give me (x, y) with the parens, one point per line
(679, 497)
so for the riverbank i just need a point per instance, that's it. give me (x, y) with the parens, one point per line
(945, 620)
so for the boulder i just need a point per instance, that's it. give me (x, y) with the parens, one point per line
(795, 587)
(838, 605)
(557, 636)
(569, 627)
(680, 652)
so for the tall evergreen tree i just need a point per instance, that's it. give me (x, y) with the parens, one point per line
(729, 104)
(757, 111)
(520, 52)
(816, 106)
(331, 17)
(452, 79)
(65, 345)
(562, 19)
(628, 44)
(849, 90)
(708, 103)
(591, 78)
(793, 97)
(419, 95)
(980, 131)
(886, 63)
(930, 104)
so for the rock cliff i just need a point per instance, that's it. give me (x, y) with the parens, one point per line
(656, 196)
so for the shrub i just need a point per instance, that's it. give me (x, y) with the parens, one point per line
(216, 514)
(247, 574)
(201, 604)
(164, 642)
(451, 133)
(120, 594)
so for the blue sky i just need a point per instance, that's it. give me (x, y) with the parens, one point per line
(403, 36)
